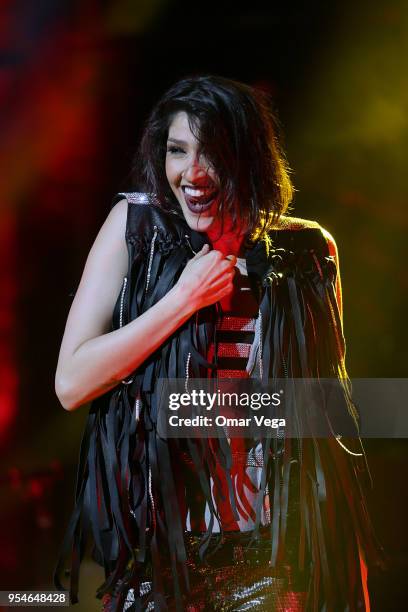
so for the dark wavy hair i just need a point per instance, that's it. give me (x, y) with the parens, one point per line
(238, 135)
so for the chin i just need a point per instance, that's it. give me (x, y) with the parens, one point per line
(199, 225)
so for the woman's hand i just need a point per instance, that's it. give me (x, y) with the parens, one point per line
(207, 278)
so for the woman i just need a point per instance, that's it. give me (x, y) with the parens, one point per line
(206, 276)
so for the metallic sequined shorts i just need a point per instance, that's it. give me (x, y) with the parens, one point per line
(236, 578)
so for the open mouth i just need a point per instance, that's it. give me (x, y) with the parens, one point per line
(199, 199)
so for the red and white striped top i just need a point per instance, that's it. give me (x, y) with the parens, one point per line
(235, 336)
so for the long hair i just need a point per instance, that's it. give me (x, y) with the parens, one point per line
(237, 133)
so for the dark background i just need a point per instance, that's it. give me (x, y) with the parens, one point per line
(77, 79)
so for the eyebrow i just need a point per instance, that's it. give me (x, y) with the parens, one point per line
(176, 141)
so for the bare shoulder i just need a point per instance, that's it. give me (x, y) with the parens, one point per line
(91, 310)
(118, 215)
(111, 237)
(107, 259)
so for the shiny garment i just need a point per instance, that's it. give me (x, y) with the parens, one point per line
(237, 577)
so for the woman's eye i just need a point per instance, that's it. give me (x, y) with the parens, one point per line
(174, 150)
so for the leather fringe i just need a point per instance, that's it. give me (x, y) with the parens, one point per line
(126, 495)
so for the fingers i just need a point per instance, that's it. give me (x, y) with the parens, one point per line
(215, 257)
(220, 264)
(222, 276)
(203, 251)
(212, 265)
(233, 259)
(222, 293)
(223, 286)
(209, 276)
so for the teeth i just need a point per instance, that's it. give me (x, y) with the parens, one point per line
(193, 191)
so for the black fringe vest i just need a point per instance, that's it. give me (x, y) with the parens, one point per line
(126, 499)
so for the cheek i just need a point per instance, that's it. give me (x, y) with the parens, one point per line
(171, 173)
(167, 168)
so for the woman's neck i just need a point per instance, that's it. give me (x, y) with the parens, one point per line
(228, 243)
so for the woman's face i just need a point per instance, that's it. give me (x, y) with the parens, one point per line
(190, 176)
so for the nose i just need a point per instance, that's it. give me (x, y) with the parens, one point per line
(196, 169)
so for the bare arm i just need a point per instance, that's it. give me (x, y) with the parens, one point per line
(93, 360)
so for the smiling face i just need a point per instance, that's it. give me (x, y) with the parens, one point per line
(190, 176)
